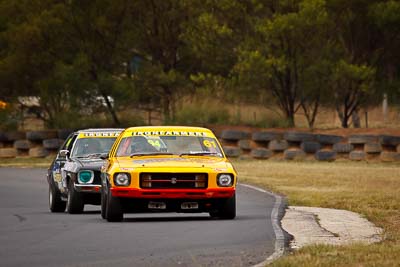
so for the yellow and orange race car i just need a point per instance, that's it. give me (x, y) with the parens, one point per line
(167, 169)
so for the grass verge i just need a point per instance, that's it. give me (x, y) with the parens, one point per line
(26, 162)
(371, 189)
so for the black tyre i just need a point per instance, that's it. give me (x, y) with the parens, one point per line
(328, 139)
(113, 210)
(3, 137)
(13, 136)
(325, 155)
(244, 144)
(41, 135)
(55, 202)
(52, 144)
(373, 148)
(22, 144)
(294, 154)
(261, 153)
(389, 140)
(75, 203)
(310, 146)
(231, 151)
(343, 148)
(298, 136)
(278, 145)
(103, 204)
(234, 135)
(226, 210)
(357, 155)
(266, 136)
(360, 139)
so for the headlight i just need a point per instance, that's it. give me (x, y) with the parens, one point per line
(85, 177)
(225, 179)
(122, 179)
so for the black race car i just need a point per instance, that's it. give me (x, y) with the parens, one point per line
(74, 175)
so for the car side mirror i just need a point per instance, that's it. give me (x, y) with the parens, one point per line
(64, 153)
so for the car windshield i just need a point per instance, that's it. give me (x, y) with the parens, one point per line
(85, 147)
(161, 145)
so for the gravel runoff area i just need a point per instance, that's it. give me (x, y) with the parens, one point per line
(310, 225)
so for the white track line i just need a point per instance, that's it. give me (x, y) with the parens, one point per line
(279, 236)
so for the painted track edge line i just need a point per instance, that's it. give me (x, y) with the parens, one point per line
(275, 218)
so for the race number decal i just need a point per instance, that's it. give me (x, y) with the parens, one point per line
(209, 144)
(155, 143)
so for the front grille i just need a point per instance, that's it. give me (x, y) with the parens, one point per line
(174, 180)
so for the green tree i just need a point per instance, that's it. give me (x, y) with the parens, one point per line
(30, 37)
(281, 58)
(352, 86)
(40, 36)
(386, 17)
(99, 30)
(161, 75)
(359, 47)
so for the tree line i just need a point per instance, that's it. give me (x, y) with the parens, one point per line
(294, 54)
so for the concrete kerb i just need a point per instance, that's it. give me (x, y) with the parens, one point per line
(282, 238)
(314, 225)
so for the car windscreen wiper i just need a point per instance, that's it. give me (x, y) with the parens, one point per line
(89, 155)
(149, 154)
(198, 153)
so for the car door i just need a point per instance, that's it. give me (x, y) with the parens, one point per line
(60, 160)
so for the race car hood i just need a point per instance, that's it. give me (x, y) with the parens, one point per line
(76, 164)
(93, 163)
(174, 162)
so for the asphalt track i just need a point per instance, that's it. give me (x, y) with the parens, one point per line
(30, 235)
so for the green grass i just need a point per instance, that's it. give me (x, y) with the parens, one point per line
(371, 189)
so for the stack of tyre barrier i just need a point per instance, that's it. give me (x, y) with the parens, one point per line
(290, 145)
(294, 145)
(35, 144)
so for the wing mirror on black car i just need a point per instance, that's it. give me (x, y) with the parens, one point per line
(64, 153)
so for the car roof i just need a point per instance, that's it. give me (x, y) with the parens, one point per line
(93, 130)
(167, 128)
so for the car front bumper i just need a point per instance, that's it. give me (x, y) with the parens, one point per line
(173, 193)
(88, 188)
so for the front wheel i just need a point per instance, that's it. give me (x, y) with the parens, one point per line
(103, 203)
(55, 202)
(113, 210)
(226, 209)
(75, 202)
